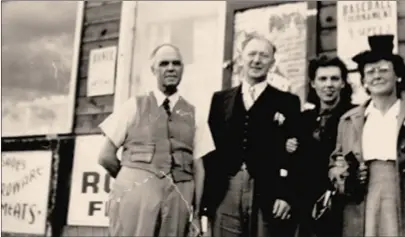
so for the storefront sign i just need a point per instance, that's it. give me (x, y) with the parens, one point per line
(24, 191)
(284, 25)
(101, 71)
(356, 20)
(90, 184)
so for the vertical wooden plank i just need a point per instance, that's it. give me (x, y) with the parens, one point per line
(75, 61)
(125, 55)
(312, 36)
(228, 46)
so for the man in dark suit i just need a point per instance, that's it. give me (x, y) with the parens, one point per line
(249, 187)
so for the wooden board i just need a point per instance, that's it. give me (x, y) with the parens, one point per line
(107, 10)
(101, 29)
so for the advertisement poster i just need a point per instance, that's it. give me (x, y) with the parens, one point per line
(356, 20)
(284, 25)
(39, 66)
(24, 191)
(90, 184)
(101, 76)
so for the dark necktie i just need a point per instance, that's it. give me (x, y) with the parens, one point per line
(166, 106)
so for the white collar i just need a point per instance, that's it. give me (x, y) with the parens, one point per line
(259, 87)
(160, 97)
(392, 111)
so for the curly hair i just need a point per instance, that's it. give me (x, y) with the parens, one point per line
(325, 61)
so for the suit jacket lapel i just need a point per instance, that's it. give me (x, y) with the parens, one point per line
(401, 116)
(229, 101)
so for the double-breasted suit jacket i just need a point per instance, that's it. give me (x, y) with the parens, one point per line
(349, 140)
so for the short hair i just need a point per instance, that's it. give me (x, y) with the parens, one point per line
(325, 61)
(157, 48)
(399, 71)
(256, 36)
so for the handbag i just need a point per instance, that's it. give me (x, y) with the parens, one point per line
(323, 205)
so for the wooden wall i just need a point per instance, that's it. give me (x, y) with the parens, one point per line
(327, 23)
(100, 29)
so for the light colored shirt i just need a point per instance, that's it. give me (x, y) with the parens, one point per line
(116, 126)
(379, 139)
(251, 93)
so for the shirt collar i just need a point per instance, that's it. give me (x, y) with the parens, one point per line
(259, 87)
(394, 110)
(160, 97)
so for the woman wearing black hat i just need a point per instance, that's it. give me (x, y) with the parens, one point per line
(368, 165)
(330, 94)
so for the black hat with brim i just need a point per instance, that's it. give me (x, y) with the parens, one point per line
(381, 47)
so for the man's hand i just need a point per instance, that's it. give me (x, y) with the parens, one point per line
(291, 145)
(195, 228)
(281, 209)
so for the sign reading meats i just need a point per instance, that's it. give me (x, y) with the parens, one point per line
(25, 191)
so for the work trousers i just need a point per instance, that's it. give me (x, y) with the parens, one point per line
(235, 217)
(141, 204)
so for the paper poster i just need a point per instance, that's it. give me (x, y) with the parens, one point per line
(90, 184)
(101, 71)
(284, 25)
(356, 20)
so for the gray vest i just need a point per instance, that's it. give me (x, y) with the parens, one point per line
(158, 144)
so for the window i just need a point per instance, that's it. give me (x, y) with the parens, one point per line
(197, 28)
(38, 80)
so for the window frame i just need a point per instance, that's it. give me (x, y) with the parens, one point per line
(74, 72)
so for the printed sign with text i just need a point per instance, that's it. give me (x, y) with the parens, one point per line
(356, 20)
(285, 26)
(101, 71)
(25, 190)
(90, 184)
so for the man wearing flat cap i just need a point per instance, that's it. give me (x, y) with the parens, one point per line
(368, 165)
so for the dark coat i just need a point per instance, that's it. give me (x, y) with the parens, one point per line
(349, 140)
(316, 145)
(271, 137)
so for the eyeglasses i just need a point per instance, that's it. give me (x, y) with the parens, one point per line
(380, 69)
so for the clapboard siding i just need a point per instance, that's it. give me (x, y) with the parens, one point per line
(100, 29)
(328, 22)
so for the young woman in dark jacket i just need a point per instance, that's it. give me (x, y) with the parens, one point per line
(330, 97)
